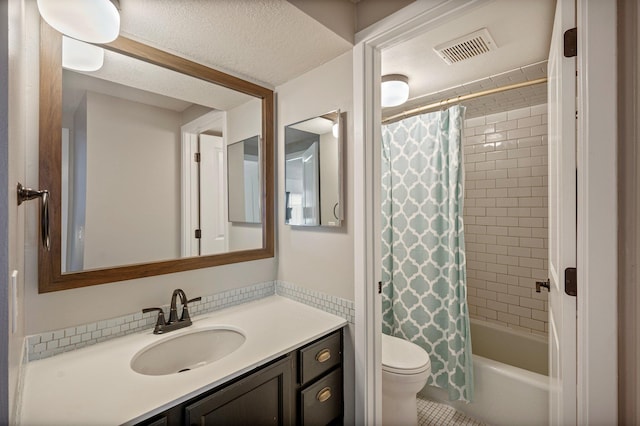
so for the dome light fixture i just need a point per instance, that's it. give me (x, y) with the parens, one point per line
(80, 56)
(395, 90)
(92, 21)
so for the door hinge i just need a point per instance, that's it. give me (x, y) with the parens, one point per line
(379, 287)
(196, 157)
(571, 43)
(198, 233)
(571, 281)
(543, 284)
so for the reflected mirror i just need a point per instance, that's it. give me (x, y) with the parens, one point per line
(135, 157)
(313, 171)
(243, 159)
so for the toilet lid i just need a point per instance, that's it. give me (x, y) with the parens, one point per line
(403, 357)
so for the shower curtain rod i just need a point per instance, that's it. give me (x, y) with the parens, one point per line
(444, 102)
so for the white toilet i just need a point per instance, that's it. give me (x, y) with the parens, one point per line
(405, 370)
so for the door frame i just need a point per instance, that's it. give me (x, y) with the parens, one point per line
(597, 207)
(403, 25)
(6, 234)
(189, 198)
(597, 251)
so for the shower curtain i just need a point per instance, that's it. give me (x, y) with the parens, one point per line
(424, 272)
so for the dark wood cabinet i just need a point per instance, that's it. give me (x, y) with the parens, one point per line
(263, 398)
(321, 402)
(319, 392)
(305, 387)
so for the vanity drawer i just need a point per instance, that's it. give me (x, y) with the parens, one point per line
(321, 403)
(320, 357)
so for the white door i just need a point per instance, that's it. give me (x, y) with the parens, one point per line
(562, 219)
(251, 167)
(311, 187)
(212, 195)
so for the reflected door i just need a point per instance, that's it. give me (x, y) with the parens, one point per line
(310, 177)
(212, 195)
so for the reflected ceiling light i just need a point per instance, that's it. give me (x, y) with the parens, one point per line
(80, 56)
(335, 130)
(395, 90)
(93, 21)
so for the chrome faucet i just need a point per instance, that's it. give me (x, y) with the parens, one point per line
(174, 323)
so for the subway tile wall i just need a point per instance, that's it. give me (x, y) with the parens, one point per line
(505, 216)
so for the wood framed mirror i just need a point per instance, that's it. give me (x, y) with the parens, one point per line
(92, 228)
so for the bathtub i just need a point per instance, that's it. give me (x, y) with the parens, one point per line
(511, 383)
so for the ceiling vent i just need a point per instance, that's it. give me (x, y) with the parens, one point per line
(465, 47)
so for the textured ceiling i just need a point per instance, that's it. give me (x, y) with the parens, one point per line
(520, 28)
(265, 41)
(140, 81)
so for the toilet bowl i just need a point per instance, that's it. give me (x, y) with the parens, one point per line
(405, 370)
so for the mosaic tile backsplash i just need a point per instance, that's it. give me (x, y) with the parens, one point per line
(45, 345)
(334, 305)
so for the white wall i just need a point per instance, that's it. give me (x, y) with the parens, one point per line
(320, 259)
(20, 72)
(8, 369)
(317, 258)
(77, 190)
(133, 216)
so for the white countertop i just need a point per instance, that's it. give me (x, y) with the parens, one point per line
(96, 385)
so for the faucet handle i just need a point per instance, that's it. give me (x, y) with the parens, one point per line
(185, 311)
(160, 323)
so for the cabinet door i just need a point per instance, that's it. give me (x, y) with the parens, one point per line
(263, 398)
(320, 357)
(321, 403)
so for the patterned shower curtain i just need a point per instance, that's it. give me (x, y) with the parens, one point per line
(423, 258)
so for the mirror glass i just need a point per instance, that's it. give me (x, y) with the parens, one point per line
(243, 166)
(126, 130)
(313, 171)
(135, 158)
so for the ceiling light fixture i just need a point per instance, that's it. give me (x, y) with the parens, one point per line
(95, 21)
(395, 90)
(80, 56)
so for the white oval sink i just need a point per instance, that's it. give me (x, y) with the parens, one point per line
(186, 351)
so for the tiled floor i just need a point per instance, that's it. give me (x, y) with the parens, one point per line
(432, 413)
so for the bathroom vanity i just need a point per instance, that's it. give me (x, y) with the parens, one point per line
(288, 370)
(303, 387)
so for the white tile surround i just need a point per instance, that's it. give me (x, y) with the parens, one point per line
(52, 343)
(505, 216)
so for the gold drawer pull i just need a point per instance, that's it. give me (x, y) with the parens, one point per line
(324, 394)
(323, 356)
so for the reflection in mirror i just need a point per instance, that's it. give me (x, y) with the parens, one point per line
(134, 155)
(313, 171)
(243, 159)
(123, 139)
